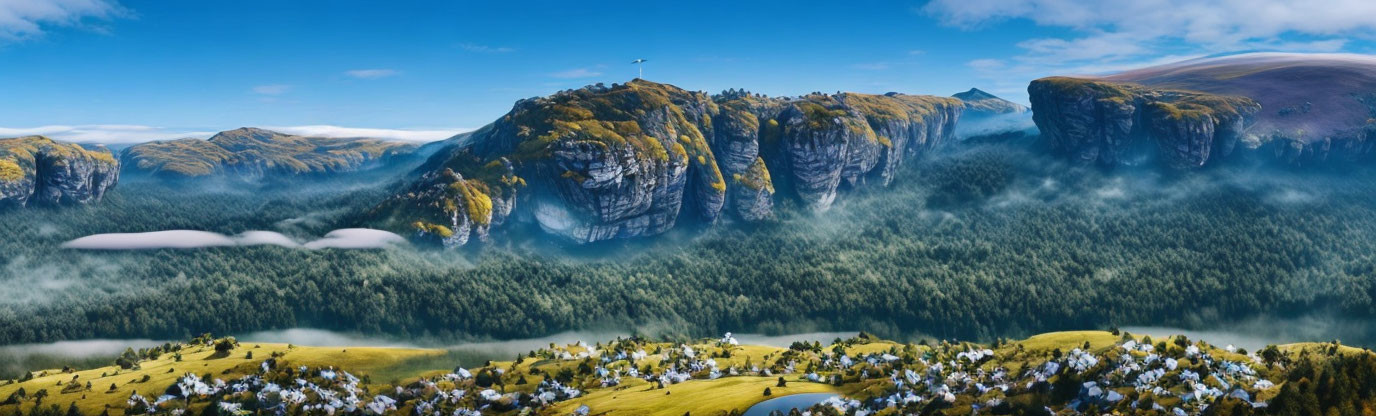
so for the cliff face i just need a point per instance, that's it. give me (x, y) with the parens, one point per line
(637, 159)
(257, 153)
(1308, 109)
(1106, 123)
(36, 169)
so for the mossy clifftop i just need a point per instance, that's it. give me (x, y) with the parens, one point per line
(36, 168)
(629, 160)
(1111, 123)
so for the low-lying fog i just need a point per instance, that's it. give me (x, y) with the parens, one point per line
(14, 359)
(348, 238)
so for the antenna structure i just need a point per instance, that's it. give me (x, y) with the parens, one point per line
(641, 64)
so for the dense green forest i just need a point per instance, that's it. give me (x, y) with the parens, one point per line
(980, 242)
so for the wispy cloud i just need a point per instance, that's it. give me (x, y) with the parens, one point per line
(871, 66)
(1131, 29)
(274, 89)
(576, 73)
(26, 19)
(370, 73)
(473, 47)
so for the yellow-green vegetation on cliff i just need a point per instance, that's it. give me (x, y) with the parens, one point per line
(258, 152)
(23, 150)
(10, 170)
(625, 160)
(464, 197)
(757, 177)
(70, 173)
(1080, 86)
(878, 109)
(613, 117)
(1175, 103)
(1080, 372)
(1097, 121)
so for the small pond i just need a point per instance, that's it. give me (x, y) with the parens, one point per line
(786, 403)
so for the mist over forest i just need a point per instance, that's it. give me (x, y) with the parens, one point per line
(980, 241)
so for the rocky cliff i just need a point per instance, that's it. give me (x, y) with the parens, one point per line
(1107, 123)
(636, 159)
(1298, 109)
(256, 153)
(37, 169)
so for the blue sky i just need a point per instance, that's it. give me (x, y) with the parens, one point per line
(132, 70)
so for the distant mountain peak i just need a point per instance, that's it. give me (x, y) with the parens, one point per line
(245, 133)
(979, 103)
(975, 94)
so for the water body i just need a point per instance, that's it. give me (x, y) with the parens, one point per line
(786, 403)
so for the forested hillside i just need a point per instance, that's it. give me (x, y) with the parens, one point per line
(978, 243)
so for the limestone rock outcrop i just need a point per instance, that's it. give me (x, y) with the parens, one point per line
(1106, 123)
(637, 159)
(39, 170)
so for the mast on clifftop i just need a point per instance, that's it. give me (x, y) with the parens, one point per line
(641, 63)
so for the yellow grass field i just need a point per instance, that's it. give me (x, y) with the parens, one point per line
(699, 397)
(201, 360)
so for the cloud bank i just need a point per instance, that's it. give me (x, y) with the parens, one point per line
(127, 133)
(348, 238)
(105, 133)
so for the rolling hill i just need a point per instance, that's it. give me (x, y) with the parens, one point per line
(1081, 372)
(257, 153)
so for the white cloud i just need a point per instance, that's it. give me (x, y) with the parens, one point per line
(356, 238)
(473, 47)
(348, 238)
(118, 133)
(576, 73)
(273, 89)
(370, 73)
(1113, 35)
(393, 134)
(27, 19)
(104, 133)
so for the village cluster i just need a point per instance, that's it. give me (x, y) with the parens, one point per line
(1179, 378)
